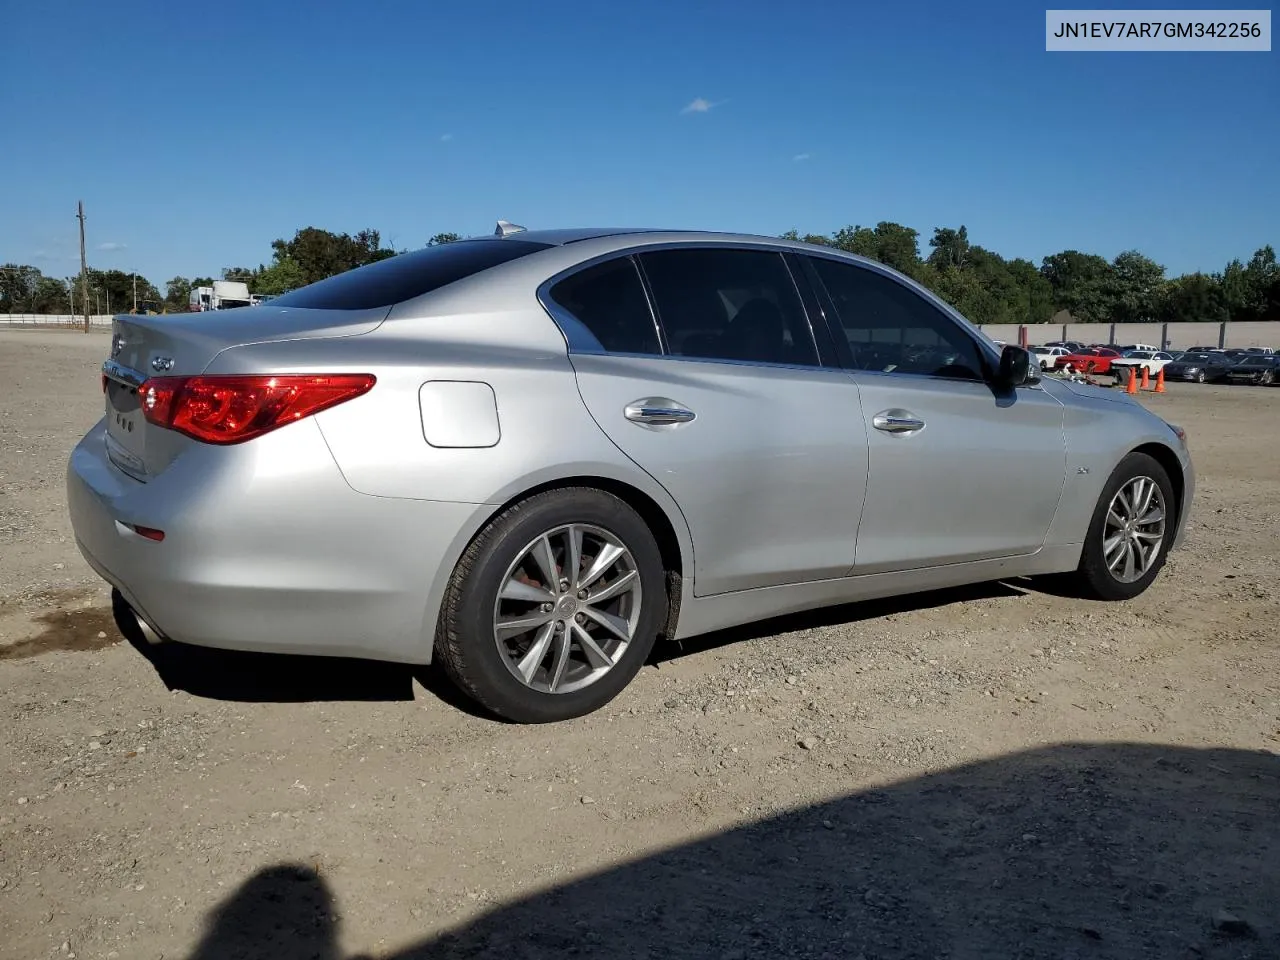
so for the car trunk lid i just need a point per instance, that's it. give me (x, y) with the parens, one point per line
(173, 345)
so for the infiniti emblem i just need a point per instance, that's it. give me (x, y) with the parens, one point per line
(162, 363)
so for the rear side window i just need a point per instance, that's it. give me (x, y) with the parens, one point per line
(729, 305)
(406, 276)
(608, 299)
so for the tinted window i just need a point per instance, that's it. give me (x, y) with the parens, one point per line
(729, 305)
(609, 300)
(406, 276)
(892, 329)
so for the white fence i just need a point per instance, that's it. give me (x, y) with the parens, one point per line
(96, 321)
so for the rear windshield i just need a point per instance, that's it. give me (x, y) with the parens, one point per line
(406, 276)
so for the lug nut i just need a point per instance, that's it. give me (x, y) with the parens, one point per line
(582, 594)
(559, 626)
(579, 618)
(564, 586)
(547, 607)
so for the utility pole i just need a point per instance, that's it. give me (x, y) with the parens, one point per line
(135, 293)
(84, 267)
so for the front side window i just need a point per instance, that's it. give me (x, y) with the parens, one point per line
(892, 329)
(608, 299)
(723, 304)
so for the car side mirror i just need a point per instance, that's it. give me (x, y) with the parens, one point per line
(1017, 368)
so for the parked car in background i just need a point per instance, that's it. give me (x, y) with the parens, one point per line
(1139, 346)
(526, 457)
(1201, 367)
(1047, 355)
(1257, 368)
(1071, 345)
(1089, 360)
(1152, 360)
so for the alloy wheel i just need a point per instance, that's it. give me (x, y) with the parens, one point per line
(568, 608)
(1135, 529)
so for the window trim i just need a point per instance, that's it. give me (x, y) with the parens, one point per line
(581, 340)
(986, 354)
(578, 336)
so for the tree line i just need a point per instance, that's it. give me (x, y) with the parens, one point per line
(980, 283)
(1131, 288)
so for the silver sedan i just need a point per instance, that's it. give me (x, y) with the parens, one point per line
(532, 455)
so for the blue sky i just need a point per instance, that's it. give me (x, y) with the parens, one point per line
(197, 134)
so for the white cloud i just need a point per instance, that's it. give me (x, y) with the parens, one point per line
(445, 138)
(111, 245)
(800, 156)
(701, 105)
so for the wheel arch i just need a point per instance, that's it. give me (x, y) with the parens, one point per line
(1166, 457)
(671, 534)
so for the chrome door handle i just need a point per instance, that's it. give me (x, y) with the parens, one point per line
(897, 421)
(657, 412)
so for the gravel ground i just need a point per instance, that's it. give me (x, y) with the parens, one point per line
(988, 772)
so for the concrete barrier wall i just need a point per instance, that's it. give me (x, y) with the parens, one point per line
(1170, 336)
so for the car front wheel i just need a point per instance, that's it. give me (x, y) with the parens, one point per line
(554, 607)
(1130, 532)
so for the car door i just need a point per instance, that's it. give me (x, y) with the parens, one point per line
(957, 471)
(763, 448)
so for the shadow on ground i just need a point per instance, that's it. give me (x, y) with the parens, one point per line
(281, 678)
(858, 612)
(1077, 851)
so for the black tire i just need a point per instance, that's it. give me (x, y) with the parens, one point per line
(1267, 378)
(1092, 577)
(465, 645)
(1200, 377)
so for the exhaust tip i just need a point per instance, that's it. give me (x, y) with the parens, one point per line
(132, 625)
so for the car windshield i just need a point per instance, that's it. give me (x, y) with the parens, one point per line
(1138, 354)
(1193, 358)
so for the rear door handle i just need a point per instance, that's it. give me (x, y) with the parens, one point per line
(897, 421)
(657, 412)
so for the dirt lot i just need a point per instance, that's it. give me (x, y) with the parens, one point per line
(996, 772)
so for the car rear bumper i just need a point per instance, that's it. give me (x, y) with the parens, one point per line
(267, 548)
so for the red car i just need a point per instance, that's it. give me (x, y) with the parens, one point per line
(1092, 360)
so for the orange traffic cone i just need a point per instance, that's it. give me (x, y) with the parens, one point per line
(1160, 380)
(1133, 381)
(1146, 378)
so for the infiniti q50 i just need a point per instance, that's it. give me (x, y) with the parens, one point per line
(528, 457)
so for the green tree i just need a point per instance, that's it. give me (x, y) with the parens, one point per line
(1135, 282)
(890, 243)
(440, 238)
(1081, 283)
(50, 296)
(177, 293)
(950, 248)
(1035, 293)
(279, 277)
(1193, 298)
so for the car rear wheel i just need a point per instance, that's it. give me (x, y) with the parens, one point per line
(554, 607)
(1131, 531)
(1200, 377)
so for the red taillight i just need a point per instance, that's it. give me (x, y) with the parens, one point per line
(151, 533)
(233, 409)
(104, 383)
